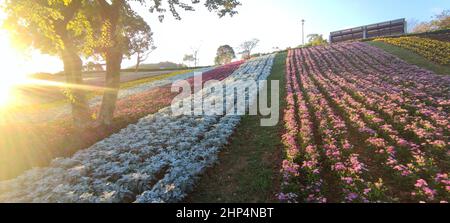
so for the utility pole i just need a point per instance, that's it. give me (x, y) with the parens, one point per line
(195, 57)
(195, 51)
(303, 32)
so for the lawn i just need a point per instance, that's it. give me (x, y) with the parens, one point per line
(249, 166)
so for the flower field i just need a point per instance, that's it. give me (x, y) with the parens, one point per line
(43, 141)
(434, 50)
(363, 126)
(360, 125)
(158, 159)
(58, 111)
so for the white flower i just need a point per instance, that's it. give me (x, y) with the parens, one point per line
(157, 159)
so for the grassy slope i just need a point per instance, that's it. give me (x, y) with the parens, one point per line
(412, 58)
(249, 167)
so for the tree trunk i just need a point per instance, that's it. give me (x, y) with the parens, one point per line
(73, 72)
(73, 68)
(138, 62)
(113, 61)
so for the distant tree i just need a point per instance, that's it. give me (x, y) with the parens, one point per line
(195, 51)
(225, 54)
(141, 41)
(316, 40)
(442, 20)
(143, 56)
(439, 21)
(247, 47)
(422, 27)
(90, 66)
(189, 58)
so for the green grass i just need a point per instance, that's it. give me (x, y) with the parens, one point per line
(412, 57)
(152, 79)
(250, 165)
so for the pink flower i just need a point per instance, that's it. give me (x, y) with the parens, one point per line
(421, 183)
(339, 166)
(348, 180)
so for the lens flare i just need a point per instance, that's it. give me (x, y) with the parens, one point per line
(13, 69)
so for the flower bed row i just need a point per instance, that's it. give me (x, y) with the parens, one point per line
(404, 160)
(403, 140)
(435, 50)
(59, 111)
(157, 159)
(24, 145)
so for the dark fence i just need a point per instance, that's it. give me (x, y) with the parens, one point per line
(394, 27)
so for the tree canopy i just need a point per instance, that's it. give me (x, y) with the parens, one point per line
(109, 29)
(189, 58)
(225, 54)
(247, 47)
(316, 40)
(48, 25)
(439, 21)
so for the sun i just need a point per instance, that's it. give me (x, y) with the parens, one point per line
(13, 72)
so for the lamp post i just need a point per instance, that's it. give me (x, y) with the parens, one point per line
(303, 32)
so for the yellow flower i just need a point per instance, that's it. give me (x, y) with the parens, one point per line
(434, 50)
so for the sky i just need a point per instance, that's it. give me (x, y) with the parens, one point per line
(276, 23)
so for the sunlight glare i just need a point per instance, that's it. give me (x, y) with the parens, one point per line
(13, 72)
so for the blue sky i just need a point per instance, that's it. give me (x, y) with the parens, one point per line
(275, 22)
(336, 14)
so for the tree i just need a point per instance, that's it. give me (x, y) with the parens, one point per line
(195, 51)
(316, 40)
(189, 58)
(75, 28)
(141, 40)
(92, 66)
(440, 21)
(60, 28)
(422, 27)
(247, 47)
(112, 13)
(224, 55)
(143, 56)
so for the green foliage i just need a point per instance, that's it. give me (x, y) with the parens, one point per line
(316, 40)
(35, 24)
(224, 55)
(188, 58)
(221, 7)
